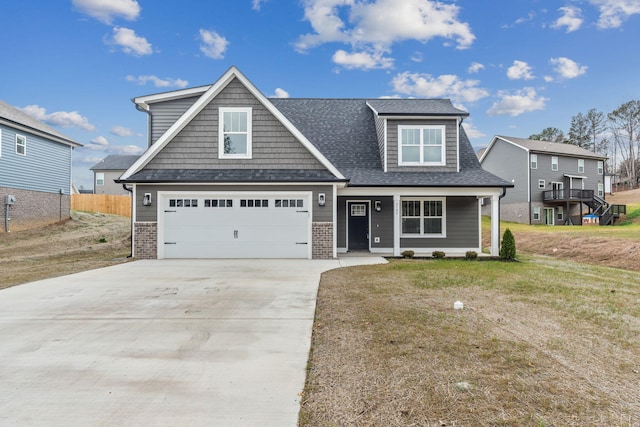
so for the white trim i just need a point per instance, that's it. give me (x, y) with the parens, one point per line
(420, 191)
(443, 218)
(600, 166)
(580, 162)
(23, 145)
(448, 251)
(531, 156)
(334, 220)
(0, 142)
(396, 224)
(422, 145)
(385, 146)
(203, 101)
(248, 132)
(97, 175)
(144, 101)
(458, 124)
(553, 216)
(556, 164)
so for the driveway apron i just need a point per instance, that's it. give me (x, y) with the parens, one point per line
(162, 343)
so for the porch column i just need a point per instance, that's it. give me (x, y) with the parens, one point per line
(495, 225)
(396, 225)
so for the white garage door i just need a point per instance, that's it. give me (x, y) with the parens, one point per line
(234, 225)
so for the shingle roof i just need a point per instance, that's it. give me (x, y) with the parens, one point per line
(116, 162)
(415, 107)
(232, 175)
(20, 118)
(552, 147)
(344, 131)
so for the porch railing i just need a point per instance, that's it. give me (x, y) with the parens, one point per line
(567, 194)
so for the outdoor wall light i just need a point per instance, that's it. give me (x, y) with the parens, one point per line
(322, 200)
(146, 200)
(377, 205)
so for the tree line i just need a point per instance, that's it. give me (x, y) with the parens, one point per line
(615, 135)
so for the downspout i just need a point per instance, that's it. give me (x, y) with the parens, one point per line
(149, 124)
(130, 190)
(504, 193)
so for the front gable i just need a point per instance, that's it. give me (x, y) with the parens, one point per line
(193, 141)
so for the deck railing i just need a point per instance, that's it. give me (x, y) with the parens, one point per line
(567, 194)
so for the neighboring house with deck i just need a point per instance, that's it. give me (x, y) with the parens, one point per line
(554, 183)
(108, 170)
(35, 171)
(230, 173)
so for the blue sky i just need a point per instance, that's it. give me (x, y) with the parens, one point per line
(516, 66)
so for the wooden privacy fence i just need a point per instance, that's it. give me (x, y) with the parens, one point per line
(105, 203)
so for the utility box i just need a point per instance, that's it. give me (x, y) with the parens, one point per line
(9, 199)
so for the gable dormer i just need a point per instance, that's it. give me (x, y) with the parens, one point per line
(418, 135)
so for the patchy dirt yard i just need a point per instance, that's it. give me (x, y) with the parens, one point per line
(85, 242)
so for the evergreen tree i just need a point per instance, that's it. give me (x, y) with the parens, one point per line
(508, 247)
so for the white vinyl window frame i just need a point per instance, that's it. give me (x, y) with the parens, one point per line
(241, 127)
(0, 142)
(99, 179)
(536, 213)
(422, 144)
(554, 163)
(422, 215)
(542, 183)
(580, 165)
(600, 167)
(600, 189)
(534, 161)
(560, 213)
(21, 145)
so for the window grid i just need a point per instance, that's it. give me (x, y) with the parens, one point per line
(600, 167)
(254, 203)
(21, 145)
(218, 203)
(235, 132)
(554, 163)
(580, 165)
(183, 203)
(542, 183)
(421, 145)
(534, 161)
(422, 217)
(289, 203)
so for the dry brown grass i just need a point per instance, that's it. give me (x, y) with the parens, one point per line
(539, 343)
(86, 242)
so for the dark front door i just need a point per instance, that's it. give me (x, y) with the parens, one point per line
(358, 225)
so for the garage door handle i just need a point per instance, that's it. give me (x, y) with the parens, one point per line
(301, 243)
(171, 211)
(302, 211)
(170, 243)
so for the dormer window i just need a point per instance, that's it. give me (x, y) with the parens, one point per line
(421, 145)
(234, 133)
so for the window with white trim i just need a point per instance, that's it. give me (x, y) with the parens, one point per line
(234, 132)
(600, 189)
(421, 145)
(580, 165)
(600, 167)
(554, 163)
(536, 213)
(99, 178)
(21, 145)
(0, 142)
(542, 183)
(423, 217)
(534, 161)
(560, 213)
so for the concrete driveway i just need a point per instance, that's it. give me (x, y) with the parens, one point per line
(161, 343)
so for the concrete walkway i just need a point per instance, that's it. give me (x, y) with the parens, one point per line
(161, 343)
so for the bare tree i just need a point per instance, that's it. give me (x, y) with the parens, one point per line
(549, 134)
(625, 127)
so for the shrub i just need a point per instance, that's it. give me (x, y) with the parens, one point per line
(407, 254)
(438, 254)
(471, 255)
(508, 247)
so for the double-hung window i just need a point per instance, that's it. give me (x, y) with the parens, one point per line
(580, 165)
(534, 161)
(554, 163)
(99, 178)
(423, 217)
(600, 167)
(21, 145)
(234, 133)
(421, 145)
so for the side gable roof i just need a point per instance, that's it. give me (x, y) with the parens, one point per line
(546, 147)
(115, 162)
(415, 107)
(203, 101)
(16, 118)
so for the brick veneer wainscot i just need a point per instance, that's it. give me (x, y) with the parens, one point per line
(146, 240)
(322, 238)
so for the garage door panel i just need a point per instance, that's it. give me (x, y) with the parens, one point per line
(236, 226)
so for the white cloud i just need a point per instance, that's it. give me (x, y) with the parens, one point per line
(522, 101)
(530, 17)
(361, 60)
(130, 43)
(416, 57)
(472, 131)
(257, 4)
(281, 93)
(614, 12)
(213, 44)
(99, 141)
(65, 119)
(102, 144)
(444, 86)
(520, 70)
(374, 26)
(157, 81)
(107, 10)
(475, 67)
(567, 68)
(122, 131)
(571, 19)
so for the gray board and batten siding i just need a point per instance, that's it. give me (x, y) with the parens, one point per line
(149, 213)
(196, 146)
(510, 163)
(451, 145)
(46, 167)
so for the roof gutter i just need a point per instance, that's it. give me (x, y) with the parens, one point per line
(149, 119)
